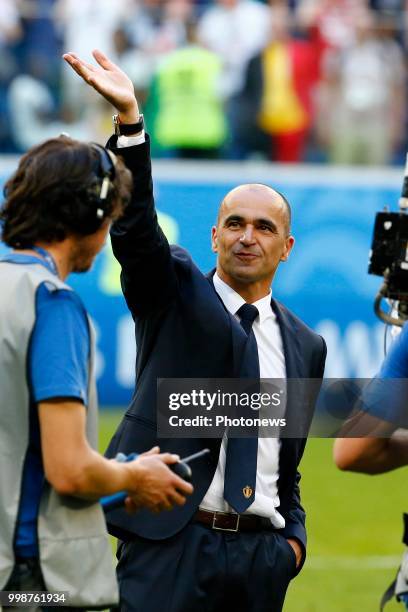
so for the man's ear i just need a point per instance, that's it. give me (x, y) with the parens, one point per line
(289, 242)
(214, 245)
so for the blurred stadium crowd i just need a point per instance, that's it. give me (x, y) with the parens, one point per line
(305, 80)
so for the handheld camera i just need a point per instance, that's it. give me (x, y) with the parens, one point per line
(181, 468)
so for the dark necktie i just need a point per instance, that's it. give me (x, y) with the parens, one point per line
(242, 453)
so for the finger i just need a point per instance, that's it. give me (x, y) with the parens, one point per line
(168, 505)
(79, 68)
(177, 499)
(165, 504)
(72, 61)
(169, 458)
(104, 61)
(72, 58)
(131, 506)
(75, 59)
(153, 451)
(90, 67)
(186, 488)
(71, 55)
(157, 508)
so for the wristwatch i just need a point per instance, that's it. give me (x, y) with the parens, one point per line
(127, 129)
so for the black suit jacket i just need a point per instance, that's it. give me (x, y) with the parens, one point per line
(183, 330)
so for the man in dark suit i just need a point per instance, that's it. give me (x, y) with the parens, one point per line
(240, 538)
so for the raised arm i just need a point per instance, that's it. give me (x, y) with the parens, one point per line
(148, 278)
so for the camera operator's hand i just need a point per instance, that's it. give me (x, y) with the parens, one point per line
(110, 81)
(155, 486)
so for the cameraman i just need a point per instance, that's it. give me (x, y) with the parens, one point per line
(383, 422)
(56, 216)
(384, 446)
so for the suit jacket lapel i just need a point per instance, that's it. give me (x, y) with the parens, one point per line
(238, 336)
(290, 341)
(293, 361)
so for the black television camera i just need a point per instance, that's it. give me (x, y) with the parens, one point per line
(389, 257)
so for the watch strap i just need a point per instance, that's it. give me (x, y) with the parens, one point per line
(127, 129)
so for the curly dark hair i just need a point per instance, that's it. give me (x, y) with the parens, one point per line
(51, 192)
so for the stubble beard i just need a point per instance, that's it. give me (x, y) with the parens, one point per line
(82, 258)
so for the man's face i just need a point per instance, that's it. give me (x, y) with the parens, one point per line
(251, 236)
(87, 248)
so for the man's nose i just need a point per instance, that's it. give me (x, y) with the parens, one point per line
(248, 235)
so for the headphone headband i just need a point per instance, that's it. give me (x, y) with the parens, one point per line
(106, 167)
(104, 172)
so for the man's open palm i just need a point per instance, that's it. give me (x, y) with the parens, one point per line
(109, 80)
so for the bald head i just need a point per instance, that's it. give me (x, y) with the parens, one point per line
(251, 238)
(253, 194)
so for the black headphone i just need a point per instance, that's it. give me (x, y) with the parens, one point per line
(94, 209)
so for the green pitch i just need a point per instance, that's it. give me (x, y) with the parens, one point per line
(354, 527)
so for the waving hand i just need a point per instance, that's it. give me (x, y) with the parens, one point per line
(108, 80)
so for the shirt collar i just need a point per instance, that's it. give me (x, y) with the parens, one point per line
(24, 259)
(233, 301)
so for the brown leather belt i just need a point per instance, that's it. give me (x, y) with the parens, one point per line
(227, 521)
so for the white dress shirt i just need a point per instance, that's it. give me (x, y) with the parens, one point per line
(271, 365)
(131, 141)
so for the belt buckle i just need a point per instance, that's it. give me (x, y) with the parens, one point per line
(232, 529)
